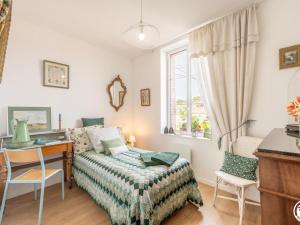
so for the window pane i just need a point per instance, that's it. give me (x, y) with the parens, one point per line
(178, 91)
(200, 124)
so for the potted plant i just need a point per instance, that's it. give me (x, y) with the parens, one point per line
(206, 126)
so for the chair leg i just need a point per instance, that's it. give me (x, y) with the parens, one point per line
(3, 201)
(35, 191)
(241, 202)
(216, 191)
(62, 185)
(41, 203)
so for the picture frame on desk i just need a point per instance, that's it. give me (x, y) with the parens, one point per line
(39, 118)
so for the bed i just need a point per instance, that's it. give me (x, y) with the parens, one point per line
(132, 193)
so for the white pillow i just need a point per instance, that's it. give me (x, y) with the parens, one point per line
(123, 139)
(117, 150)
(97, 134)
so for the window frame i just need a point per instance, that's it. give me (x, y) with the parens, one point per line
(166, 54)
(168, 86)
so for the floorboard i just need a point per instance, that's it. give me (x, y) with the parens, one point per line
(79, 209)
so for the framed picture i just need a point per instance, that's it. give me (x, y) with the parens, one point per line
(39, 118)
(145, 97)
(56, 75)
(289, 57)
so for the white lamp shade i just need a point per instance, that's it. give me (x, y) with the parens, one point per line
(143, 36)
(132, 139)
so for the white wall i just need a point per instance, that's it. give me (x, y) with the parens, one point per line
(278, 21)
(91, 69)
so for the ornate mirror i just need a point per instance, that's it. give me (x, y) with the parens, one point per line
(117, 91)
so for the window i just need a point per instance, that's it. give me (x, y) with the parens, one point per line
(184, 110)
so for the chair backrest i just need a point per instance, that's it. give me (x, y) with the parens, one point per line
(23, 155)
(246, 146)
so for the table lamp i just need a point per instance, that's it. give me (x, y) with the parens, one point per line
(132, 140)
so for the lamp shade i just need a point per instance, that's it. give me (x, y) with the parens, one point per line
(142, 35)
(132, 139)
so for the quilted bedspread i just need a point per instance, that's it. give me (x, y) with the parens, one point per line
(132, 193)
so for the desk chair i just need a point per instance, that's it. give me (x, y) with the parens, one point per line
(32, 176)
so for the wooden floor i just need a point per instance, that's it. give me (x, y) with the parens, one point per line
(79, 209)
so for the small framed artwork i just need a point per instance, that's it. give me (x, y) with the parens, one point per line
(145, 97)
(289, 57)
(55, 75)
(39, 118)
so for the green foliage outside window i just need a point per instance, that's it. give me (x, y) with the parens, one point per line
(200, 125)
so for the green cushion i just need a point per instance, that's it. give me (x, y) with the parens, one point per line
(86, 122)
(240, 166)
(111, 144)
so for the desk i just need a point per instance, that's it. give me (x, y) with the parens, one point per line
(65, 147)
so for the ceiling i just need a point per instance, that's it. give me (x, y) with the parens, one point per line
(101, 22)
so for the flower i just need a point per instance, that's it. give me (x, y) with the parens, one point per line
(297, 101)
(293, 107)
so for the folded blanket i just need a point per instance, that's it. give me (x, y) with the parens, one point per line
(159, 158)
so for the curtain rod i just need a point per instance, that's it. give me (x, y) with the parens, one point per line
(256, 3)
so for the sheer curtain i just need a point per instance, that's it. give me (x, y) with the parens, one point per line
(225, 51)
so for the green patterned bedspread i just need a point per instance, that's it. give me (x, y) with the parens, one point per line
(132, 193)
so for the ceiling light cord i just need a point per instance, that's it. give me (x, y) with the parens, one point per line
(141, 19)
(142, 35)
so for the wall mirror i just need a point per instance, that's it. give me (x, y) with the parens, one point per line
(117, 91)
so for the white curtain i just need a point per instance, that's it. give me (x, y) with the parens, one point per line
(229, 46)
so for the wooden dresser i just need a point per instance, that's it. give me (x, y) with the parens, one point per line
(279, 171)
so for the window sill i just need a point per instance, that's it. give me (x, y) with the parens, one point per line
(187, 136)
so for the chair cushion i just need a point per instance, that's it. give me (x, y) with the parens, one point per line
(240, 166)
(234, 179)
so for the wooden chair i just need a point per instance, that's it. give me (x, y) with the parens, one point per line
(244, 146)
(32, 176)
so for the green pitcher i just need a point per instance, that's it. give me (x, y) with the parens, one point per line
(21, 137)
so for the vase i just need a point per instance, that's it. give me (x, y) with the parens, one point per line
(171, 130)
(21, 137)
(166, 130)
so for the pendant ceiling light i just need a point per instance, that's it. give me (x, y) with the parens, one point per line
(142, 35)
